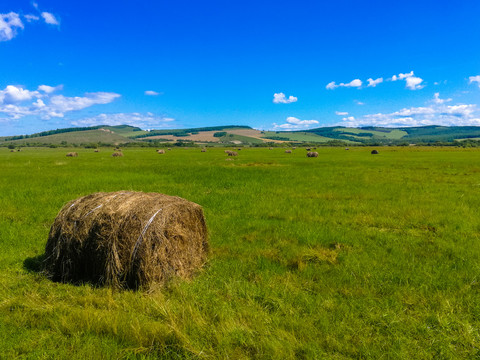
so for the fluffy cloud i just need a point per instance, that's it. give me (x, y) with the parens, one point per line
(473, 79)
(151, 93)
(412, 82)
(354, 83)
(292, 123)
(50, 18)
(144, 121)
(280, 98)
(437, 100)
(341, 113)
(373, 83)
(16, 102)
(9, 24)
(436, 114)
(49, 89)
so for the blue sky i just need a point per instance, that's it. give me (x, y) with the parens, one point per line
(269, 64)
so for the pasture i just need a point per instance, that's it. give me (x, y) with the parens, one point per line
(348, 255)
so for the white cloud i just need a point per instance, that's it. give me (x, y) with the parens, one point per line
(437, 100)
(341, 113)
(14, 94)
(473, 79)
(50, 18)
(412, 82)
(49, 89)
(15, 102)
(144, 121)
(293, 123)
(358, 102)
(280, 98)
(31, 18)
(151, 93)
(354, 83)
(436, 114)
(373, 83)
(9, 24)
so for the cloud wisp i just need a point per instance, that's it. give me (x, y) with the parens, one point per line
(11, 23)
(474, 79)
(144, 121)
(293, 123)
(280, 98)
(17, 102)
(437, 113)
(151, 93)
(354, 83)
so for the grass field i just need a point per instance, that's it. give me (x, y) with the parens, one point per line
(348, 255)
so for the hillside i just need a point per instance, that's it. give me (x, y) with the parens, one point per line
(245, 135)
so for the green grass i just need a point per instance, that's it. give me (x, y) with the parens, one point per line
(76, 137)
(394, 134)
(347, 255)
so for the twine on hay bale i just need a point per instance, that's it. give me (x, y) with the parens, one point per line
(72, 154)
(312, 154)
(126, 240)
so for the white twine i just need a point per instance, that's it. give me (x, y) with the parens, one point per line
(140, 238)
(99, 206)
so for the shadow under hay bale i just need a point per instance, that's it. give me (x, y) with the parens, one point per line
(312, 154)
(374, 152)
(117, 154)
(126, 240)
(72, 154)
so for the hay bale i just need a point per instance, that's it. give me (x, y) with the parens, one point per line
(204, 150)
(72, 154)
(288, 151)
(312, 154)
(160, 151)
(232, 153)
(126, 240)
(374, 152)
(169, 149)
(13, 150)
(294, 148)
(239, 149)
(270, 148)
(308, 149)
(347, 149)
(117, 154)
(96, 150)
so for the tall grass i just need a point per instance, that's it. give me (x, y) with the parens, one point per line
(348, 255)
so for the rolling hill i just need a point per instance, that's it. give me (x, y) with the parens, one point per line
(244, 135)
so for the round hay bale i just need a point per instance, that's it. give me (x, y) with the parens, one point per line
(13, 150)
(374, 152)
(96, 150)
(308, 149)
(312, 154)
(126, 240)
(288, 151)
(270, 148)
(117, 154)
(232, 153)
(347, 149)
(72, 154)
(161, 151)
(169, 149)
(204, 150)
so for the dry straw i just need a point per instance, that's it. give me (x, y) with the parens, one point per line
(126, 240)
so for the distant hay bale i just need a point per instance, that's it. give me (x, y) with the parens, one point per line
(312, 154)
(126, 240)
(347, 149)
(96, 150)
(117, 154)
(288, 151)
(204, 150)
(270, 148)
(13, 150)
(294, 148)
(226, 151)
(169, 149)
(374, 152)
(161, 151)
(308, 149)
(239, 149)
(72, 154)
(232, 153)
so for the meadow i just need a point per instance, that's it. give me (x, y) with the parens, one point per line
(345, 256)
